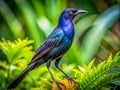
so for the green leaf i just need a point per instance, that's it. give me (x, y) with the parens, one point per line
(90, 65)
(19, 49)
(94, 37)
(100, 75)
(13, 24)
(30, 19)
(83, 24)
(105, 80)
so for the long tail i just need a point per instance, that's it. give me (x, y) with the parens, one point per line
(22, 75)
(19, 79)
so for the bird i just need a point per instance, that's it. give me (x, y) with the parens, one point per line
(54, 47)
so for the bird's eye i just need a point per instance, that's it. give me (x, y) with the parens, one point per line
(71, 12)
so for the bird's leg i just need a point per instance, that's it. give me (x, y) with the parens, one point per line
(48, 67)
(67, 76)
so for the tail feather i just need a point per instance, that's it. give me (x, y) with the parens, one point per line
(16, 82)
(22, 75)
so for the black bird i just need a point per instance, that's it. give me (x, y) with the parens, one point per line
(54, 47)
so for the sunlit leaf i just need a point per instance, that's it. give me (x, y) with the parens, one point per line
(94, 36)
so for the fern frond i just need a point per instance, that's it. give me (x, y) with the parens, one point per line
(91, 78)
(105, 80)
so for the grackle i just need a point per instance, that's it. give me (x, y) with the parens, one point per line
(54, 47)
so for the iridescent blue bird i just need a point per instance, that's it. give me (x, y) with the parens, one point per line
(54, 47)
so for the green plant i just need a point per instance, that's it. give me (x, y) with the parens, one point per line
(32, 19)
(95, 35)
(90, 77)
(17, 54)
(93, 77)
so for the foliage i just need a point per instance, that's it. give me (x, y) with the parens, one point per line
(30, 18)
(35, 20)
(112, 15)
(90, 77)
(17, 54)
(94, 77)
(16, 50)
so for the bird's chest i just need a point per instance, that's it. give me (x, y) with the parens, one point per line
(69, 31)
(65, 45)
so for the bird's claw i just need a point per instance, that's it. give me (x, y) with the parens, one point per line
(58, 85)
(71, 80)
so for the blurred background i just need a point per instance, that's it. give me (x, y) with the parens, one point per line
(24, 25)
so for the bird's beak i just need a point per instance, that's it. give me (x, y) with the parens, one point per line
(80, 11)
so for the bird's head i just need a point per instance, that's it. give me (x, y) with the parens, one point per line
(69, 13)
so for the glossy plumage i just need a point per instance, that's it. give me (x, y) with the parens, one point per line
(54, 47)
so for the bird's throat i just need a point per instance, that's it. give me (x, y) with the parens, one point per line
(67, 26)
(69, 29)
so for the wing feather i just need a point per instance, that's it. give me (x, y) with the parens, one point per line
(51, 42)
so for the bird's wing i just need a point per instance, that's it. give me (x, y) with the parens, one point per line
(51, 42)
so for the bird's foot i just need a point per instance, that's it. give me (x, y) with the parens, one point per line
(71, 80)
(59, 85)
